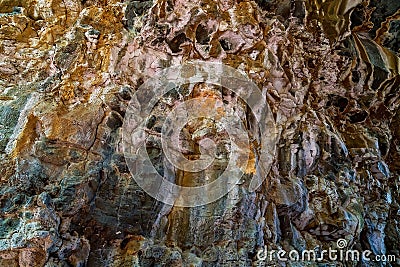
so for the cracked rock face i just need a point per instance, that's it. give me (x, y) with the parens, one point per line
(329, 70)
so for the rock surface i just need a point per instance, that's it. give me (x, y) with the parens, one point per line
(329, 71)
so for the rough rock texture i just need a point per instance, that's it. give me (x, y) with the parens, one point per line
(68, 68)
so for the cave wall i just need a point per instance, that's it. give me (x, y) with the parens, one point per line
(329, 71)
